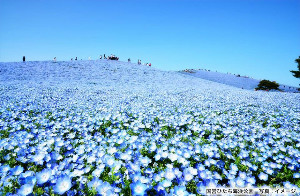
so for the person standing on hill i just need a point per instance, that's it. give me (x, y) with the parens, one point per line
(75, 58)
(23, 58)
(100, 56)
(129, 60)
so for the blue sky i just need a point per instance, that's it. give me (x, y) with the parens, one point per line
(257, 38)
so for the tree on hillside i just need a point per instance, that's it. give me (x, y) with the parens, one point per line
(267, 85)
(296, 74)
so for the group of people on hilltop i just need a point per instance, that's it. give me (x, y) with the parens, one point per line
(75, 59)
(111, 57)
(140, 62)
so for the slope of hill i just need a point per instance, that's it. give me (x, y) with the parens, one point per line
(115, 128)
(243, 82)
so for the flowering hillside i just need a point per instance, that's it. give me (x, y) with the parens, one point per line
(243, 82)
(114, 128)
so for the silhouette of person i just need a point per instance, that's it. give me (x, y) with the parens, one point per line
(75, 58)
(23, 58)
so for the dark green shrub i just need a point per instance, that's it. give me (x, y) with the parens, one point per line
(296, 73)
(267, 85)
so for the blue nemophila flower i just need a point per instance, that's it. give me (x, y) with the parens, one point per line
(145, 161)
(166, 183)
(287, 185)
(173, 157)
(62, 185)
(169, 174)
(177, 172)
(269, 171)
(97, 172)
(43, 176)
(16, 170)
(152, 147)
(138, 188)
(233, 167)
(38, 158)
(180, 191)
(24, 178)
(25, 189)
(296, 175)
(160, 189)
(251, 180)
(157, 157)
(28, 180)
(4, 169)
(240, 182)
(242, 175)
(56, 156)
(94, 183)
(156, 177)
(203, 175)
(263, 176)
(105, 189)
(187, 176)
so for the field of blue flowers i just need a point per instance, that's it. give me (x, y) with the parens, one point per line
(114, 128)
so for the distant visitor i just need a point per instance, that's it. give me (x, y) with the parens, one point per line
(23, 58)
(129, 60)
(75, 58)
(54, 59)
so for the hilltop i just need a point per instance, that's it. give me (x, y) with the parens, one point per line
(104, 83)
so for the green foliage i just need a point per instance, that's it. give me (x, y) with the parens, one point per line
(12, 188)
(108, 175)
(296, 74)
(126, 190)
(4, 134)
(168, 132)
(265, 123)
(192, 187)
(267, 85)
(132, 133)
(38, 190)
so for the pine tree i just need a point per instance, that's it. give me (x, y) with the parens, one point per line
(297, 73)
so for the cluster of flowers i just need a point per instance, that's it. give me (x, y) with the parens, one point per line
(174, 143)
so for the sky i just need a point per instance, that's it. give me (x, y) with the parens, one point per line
(256, 38)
